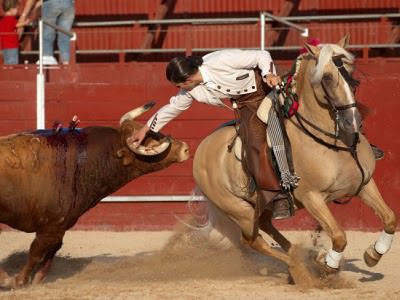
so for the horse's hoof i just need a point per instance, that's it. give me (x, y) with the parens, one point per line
(371, 257)
(323, 268)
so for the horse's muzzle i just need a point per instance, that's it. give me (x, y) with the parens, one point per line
(350, 120)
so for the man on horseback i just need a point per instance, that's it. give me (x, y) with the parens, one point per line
(244, 77)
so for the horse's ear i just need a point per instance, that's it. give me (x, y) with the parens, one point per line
(344, 41)
(313, 50)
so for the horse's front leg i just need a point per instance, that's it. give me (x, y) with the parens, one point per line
(319, 210)
(371, 196)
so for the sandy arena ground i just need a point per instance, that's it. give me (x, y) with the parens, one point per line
(169, 265)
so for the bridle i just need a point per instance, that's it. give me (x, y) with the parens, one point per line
(337, 60)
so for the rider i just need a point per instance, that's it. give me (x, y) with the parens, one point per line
(243, 76)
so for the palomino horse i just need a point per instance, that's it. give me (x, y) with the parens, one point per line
(329, 166)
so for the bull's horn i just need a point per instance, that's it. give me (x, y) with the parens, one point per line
(150, 151)
(134, 113)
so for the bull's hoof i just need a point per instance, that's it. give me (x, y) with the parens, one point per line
(371, 257)
(21, 282)
(8, 283)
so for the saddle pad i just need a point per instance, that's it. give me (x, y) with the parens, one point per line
(237, 148)
(263, 109)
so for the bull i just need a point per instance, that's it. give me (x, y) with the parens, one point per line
(50, 178)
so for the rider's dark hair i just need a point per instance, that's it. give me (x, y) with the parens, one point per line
(180, 68)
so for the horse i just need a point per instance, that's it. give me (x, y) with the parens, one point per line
(330, 154)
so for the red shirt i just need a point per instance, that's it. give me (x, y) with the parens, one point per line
(8, 32)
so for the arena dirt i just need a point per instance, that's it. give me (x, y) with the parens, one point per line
(182, 265)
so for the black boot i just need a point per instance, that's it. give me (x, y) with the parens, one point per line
(378, 152)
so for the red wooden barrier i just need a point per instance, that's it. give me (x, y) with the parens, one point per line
(100, 93)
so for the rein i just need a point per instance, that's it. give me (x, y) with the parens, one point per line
(352, 149)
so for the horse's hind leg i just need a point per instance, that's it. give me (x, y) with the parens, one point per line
(260, 245)
(371, 196)
(267, 226)
(242, 213)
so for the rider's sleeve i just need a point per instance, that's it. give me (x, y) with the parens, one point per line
(177, 104)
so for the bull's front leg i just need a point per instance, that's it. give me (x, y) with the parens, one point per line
(45, 265)
(42, 250)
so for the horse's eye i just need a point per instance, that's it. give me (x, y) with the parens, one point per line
(327, 77)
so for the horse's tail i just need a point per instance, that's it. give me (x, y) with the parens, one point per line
(221, 231)
(208, 225)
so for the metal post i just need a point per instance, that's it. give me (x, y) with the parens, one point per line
(40, 111)
(262, 22)
(40, 95)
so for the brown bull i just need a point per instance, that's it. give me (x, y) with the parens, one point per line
(48, 180)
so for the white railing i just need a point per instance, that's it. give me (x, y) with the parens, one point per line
(263, 15)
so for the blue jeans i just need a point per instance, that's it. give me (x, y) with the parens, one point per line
(10, 56)
(62, 14)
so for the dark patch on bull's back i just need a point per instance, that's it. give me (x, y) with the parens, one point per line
(70, 155)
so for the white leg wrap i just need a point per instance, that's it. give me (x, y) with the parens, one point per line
(333, 258)
(384, 242)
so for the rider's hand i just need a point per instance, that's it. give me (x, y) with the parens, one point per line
(272, 80)
(22, 21)
(138, 136)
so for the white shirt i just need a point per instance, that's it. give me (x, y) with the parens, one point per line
(226, 74)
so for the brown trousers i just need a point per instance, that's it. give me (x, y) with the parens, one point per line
(252, 131)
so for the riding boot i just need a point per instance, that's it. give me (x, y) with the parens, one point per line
(277, 201)
(282, 207)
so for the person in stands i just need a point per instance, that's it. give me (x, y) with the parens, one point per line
(60, 13)
(9, 33)
(243, 76)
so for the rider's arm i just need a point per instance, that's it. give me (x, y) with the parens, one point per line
(177, 104)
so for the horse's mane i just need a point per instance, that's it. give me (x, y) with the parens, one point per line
(326, 53)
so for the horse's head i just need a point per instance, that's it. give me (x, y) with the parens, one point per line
(333, 85)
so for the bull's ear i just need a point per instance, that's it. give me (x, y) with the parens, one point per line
(313, 50)
(126, 155)
(344, 42)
